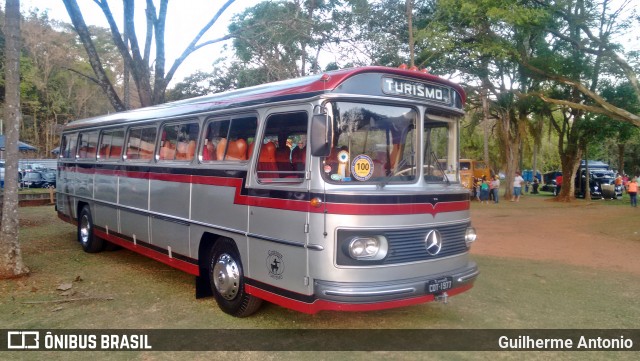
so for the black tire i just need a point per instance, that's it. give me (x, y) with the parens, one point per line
(90, 243)
(226, 277)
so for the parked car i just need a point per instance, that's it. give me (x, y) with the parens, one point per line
(33, 179)
(49, 177)
(549, 182)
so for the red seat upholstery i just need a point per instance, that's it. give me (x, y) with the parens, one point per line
(267, 161)
(282, 160)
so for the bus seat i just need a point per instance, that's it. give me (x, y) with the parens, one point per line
(298, 158)
(221, 148)
(267, 161)
(189, 150)
(283, 161)
(237, 150)
(181, 151)
(167, 152)
(208, 151)
(103, 153)
(395, 155)
(115, 151)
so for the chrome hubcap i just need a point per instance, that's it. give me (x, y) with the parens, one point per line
(85, 229)
(226, 276)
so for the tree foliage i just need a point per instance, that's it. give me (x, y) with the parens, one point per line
(151, 86)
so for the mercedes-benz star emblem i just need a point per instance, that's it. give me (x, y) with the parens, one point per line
(433, 242)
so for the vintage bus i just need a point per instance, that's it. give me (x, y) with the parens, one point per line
(357, 215)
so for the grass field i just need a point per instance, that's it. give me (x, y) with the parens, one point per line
(118, 290)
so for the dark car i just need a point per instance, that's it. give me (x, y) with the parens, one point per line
(549, 182)
(601, 184)
(33, 179)
(49, 177)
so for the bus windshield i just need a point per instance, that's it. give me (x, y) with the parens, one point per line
(372, 143)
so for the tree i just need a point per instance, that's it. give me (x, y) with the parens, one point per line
(11, 264)
(151, 86)
(283, 39)
(592, 34)
(480, 42)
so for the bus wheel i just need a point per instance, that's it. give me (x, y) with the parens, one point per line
(90, 243)
(227, 280)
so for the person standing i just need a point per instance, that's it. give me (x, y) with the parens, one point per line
(632, 190)
(495, 188)
(517, 187)
(558, 183)
(535, 185)
(484, 190)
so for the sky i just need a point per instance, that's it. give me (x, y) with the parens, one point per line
(185, 18)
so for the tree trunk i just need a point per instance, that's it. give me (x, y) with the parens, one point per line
(81, 28)
(485, 127)
(621, 158)
(11, 264)
(409, 9)
(570, 160)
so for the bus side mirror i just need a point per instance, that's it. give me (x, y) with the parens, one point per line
(321, 133)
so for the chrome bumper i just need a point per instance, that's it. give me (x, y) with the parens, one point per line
(367, 292)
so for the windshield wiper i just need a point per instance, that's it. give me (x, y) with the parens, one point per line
(388, 177)
(442, 171)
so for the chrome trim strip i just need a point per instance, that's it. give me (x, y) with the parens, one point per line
(370, 293)
(184, 221)
(469, 276)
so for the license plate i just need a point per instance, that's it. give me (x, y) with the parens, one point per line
(439, 285)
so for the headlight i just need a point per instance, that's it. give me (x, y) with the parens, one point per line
(368, 248)
(470, 236)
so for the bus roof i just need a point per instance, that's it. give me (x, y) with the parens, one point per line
(298, 88)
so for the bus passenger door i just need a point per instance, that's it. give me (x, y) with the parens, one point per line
(278, 199)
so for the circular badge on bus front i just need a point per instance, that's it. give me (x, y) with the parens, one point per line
(362, 167)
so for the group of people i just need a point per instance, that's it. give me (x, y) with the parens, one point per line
(487, 190)
(631, 186)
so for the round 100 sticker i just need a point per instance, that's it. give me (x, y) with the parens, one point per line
(362, 167)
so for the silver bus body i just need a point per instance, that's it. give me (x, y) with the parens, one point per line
(373, 223)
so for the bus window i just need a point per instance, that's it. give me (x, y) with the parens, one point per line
(372, 144)
(178, 142)
(87, 143)
(141, 144)
(275, 158)
(111, 144)
(440, 151)
(228, 139)
(68, 146)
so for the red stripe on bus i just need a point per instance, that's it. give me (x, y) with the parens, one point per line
(158, 256)
(301, 206)
(324, 305)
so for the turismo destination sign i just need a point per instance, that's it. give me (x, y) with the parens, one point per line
(413, 89)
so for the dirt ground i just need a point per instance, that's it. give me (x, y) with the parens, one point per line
(593, 234)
